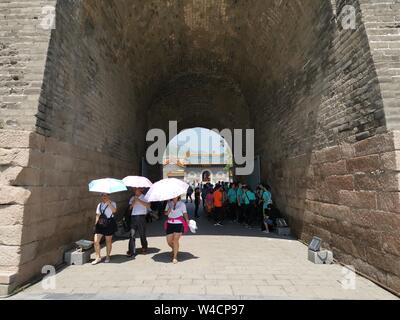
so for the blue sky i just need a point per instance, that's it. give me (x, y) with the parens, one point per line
(197, 140)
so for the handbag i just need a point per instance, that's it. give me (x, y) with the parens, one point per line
(126, 221)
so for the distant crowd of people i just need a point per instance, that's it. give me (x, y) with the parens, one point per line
(235, 202)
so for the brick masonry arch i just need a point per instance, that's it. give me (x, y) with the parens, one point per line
(75, 104)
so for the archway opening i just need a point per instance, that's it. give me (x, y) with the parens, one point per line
(197, 156)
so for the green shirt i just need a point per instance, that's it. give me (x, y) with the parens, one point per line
(249, 196)
(240, 195)
(267, 199)
(232, 195)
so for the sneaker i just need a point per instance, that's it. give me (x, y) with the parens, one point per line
(97, 261)
(175, 261)
(265, 231)
(108, 259)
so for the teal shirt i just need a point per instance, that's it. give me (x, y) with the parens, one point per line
(232, 195)
(248, 196)
(240, 195)
(267, 199)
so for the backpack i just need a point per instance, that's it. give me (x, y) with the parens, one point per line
(103, 220)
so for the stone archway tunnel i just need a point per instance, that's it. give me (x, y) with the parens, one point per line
(76, 103)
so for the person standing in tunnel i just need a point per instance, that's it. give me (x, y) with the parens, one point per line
(196, 202)
(105, 226)
(232, 206)
(204, 191)
(250, 206)
(139, 207)
(218, 206)
(266, 200)
(240, 204)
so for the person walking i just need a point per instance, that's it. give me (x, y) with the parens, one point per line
(189, 194)
(139, 207)
(176, 225)
(196, 202)
(105, 226)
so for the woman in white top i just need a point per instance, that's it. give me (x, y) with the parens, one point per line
(176, 225)
(105, 226)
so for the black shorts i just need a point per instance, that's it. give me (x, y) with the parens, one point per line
(174, 228)
(108, 230)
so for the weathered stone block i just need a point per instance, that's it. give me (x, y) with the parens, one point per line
(9, 256)
(389, 201)
(340, 182)
(10, 235)
(377, 182)
(391, 161)
(378, 144)
(333, 168)
(364, 164)
(358, 199)
(13, 195)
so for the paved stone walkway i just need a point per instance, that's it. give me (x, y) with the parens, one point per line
(227, 262)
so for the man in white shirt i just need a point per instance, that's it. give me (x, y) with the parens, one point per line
(139, 208)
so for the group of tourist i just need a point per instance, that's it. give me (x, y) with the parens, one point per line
(176, 224)
(233, 202)
(237, 203)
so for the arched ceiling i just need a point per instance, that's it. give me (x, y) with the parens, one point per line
(252, 42)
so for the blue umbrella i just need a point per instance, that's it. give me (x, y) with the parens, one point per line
(107, 185)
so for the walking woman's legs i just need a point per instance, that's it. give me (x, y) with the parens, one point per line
(97, 239)
(132, 241)
(177, 236)
(170, 240)
(109, 245)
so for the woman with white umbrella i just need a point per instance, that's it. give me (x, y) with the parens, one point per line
(176, 225)
(105, 225)
(178, 219)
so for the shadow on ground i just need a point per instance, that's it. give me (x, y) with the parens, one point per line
(165, 257)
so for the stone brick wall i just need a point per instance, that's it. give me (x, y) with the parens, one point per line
(382, 24)
(23, 47)
(352, 201)
(69, 117)
(330, 168)
(45, 203)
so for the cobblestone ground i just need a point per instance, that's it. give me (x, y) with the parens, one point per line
(227, 262)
